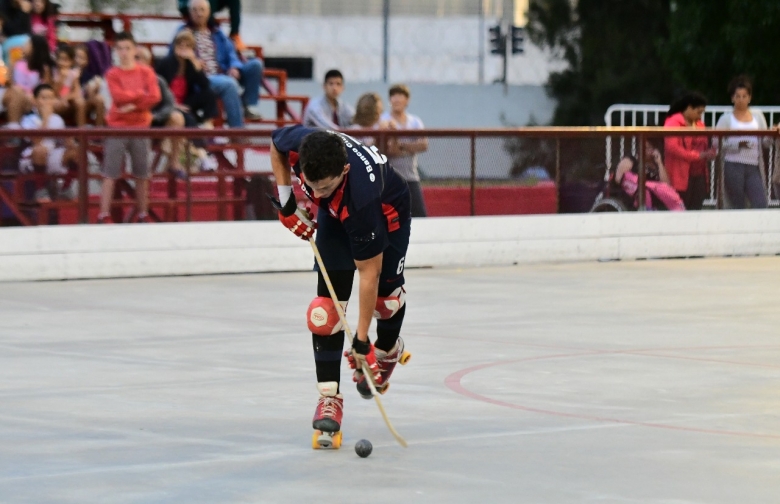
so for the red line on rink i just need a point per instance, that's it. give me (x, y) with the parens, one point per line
(453, 382)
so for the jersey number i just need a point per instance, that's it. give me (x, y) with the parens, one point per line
(400, 266)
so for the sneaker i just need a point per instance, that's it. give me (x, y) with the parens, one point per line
(330, 408)
(238, 43)
(252, 113)
(104, 219)
(209, 163)
(143, 219)
(386, 362)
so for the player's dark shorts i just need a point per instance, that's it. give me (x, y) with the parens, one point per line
(333, 243)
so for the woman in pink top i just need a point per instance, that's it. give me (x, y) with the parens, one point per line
(687, 157)
(43, 21)
(35, 68)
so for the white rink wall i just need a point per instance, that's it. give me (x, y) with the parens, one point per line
(108, 251)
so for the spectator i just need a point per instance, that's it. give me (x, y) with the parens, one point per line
(402, 152)
(687, 157)
(134, 91)
(91, 81)
(46, 155)
(43, 21)
(183, 72)
(16, 28)
(68, 88)
(33, 69)
(743, 156)
(658, 193)
(328, 111)
(165, 114)
(234, 7)
(225, 70)
(368, 110)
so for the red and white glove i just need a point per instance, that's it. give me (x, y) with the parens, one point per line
(298, 220)
(363, 350)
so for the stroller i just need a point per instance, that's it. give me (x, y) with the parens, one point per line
(621, 191)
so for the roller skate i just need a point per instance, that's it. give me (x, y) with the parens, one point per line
(327, 417)
(386, 362)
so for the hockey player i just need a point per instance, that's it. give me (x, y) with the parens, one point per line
(363, 223)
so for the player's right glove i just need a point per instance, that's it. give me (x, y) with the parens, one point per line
(364, 351)
(298, 220)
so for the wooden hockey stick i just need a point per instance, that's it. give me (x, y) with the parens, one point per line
(348, 334)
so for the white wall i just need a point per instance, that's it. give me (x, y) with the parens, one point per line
(70, 252)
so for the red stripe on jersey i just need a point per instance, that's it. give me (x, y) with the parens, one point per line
(292, 156)
(391, 214)
(344, 214)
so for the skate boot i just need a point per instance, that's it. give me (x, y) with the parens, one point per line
(327, 417)
(386, 362)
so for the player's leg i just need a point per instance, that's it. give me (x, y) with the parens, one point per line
(323, 321)
(390, 309)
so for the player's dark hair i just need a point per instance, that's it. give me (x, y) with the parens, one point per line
(41, 88)
(332, 74)
(322, 155)
(125, 35)
(691, 99)
(741, 82)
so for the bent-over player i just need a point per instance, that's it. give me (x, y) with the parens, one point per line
(363, 223)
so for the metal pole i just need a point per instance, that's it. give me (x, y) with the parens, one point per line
(481, 56)
(641, 189)
(385, 38)
(473, 174)
(83, 208)
(558, 172)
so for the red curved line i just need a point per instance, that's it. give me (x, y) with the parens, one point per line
(453, 382)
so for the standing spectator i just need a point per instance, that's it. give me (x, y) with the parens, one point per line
(33, 69)
(43, 21)
(66, 84)
(402, 153)
(233, 6)
(687, 157)
(368, 111)
(134, 91)
(328, 111)
(16, 28)
(225, 70)
(183, 72)
(91, 81)
(743, 156)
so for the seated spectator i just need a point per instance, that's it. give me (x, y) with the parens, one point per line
(16, 29)
(368, 110)
(91, 73)
(687, 157)
(35, 68)
(165, 114)
(46, 155)
(658, 193)
(134, 91)
(183, 72)
(402, 153)
(234, 7)
(43, 21)
(743, 165)
(66, 84)
(226, 72)
(328, 111)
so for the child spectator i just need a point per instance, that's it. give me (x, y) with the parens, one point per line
(368, 110)
(402, 153)
(68, 88)
(33, 69)
(135, 92)
(46, 155)
(183, 72)
(43, 21)
(328, 110)
(90, 80)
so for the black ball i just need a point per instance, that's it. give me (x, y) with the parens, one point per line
(363, 448)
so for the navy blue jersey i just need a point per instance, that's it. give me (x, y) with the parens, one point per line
(371, 202)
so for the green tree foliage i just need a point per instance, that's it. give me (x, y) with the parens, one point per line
(712, 41)
(611, 47)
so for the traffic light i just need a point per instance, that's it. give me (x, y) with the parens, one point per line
(518, 36)
(497, 40)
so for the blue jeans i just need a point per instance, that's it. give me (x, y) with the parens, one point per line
(742, 180)
(227, 88)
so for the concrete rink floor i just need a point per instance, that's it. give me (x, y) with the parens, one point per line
(629, 382)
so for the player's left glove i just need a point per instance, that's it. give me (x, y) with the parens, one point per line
(298, 220)
(364, 351)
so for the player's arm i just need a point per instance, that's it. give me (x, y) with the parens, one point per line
(281, 168)
(368, 272)
(297, 220)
